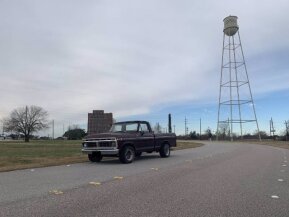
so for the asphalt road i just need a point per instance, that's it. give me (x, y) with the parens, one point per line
(213, 180)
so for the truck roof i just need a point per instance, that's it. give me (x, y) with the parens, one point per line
(138, 121)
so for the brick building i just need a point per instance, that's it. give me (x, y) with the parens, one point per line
(99, 122)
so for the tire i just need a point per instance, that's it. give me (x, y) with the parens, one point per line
(165, 150)
(127, 155)
(138, 154)
(95, 157)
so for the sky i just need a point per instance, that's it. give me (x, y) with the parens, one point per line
(139, 59)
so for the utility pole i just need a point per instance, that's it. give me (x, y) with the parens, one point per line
(185, 125)
(272, 129)
(3, 128)
(230, 131)
(52, 129)
(200, 129)
(63, 130)
(287, 129)
(270, 122)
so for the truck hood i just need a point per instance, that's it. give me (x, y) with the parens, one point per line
(111, 135)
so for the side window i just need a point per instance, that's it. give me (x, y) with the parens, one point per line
(131, 127)
(144, 128)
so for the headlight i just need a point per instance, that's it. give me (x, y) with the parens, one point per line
(84, 145)
(113, 143)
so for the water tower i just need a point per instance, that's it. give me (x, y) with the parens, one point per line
(236, 105)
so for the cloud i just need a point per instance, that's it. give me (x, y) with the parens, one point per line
(128, 57)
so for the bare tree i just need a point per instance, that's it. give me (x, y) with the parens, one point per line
(26, 120)
(224, 130)
(157, 128)
(209, 133)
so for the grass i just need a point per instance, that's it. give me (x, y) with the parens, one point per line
(184, 144)
(20, 155)
(279, 144)
(270, 142)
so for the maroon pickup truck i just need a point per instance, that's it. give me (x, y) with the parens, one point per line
(128, 140)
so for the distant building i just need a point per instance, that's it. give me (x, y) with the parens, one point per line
(99, 122)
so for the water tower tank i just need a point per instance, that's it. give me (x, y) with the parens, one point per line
(230, 25)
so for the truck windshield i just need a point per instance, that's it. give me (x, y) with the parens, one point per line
(124, 127)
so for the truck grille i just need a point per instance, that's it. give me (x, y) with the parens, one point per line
(100, 144)
(105, 144)
(91, 144)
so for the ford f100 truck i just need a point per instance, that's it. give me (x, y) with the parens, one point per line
(128, 140)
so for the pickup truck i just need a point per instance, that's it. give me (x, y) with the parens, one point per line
(127, 140)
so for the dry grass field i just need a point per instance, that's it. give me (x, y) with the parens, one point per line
(184, 144)
(280, 144)
(19, 155)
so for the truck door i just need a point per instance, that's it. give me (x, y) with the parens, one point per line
(146, 138)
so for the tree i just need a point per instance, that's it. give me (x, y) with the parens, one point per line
(74, 133)
(263, 134)
(193, 135)
(209, 133)
(224, 130)
(26, 120)
(157, 128)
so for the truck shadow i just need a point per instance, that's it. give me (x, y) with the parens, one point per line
(115, 160)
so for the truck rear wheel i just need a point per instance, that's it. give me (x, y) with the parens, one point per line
(165, 150)
(127, 155)
(95, 157)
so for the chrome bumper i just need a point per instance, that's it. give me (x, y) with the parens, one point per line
(102, 151)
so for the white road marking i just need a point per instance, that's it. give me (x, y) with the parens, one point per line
(156, 169)
(32, 170)
(280, 180)
(118, 177)
(68, 165)
(95, 183)
(55, 192)
(275, 197)
(284, 165)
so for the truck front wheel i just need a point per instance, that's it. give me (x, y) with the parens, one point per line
(95, 157)
(165, 150)
(127, 155)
